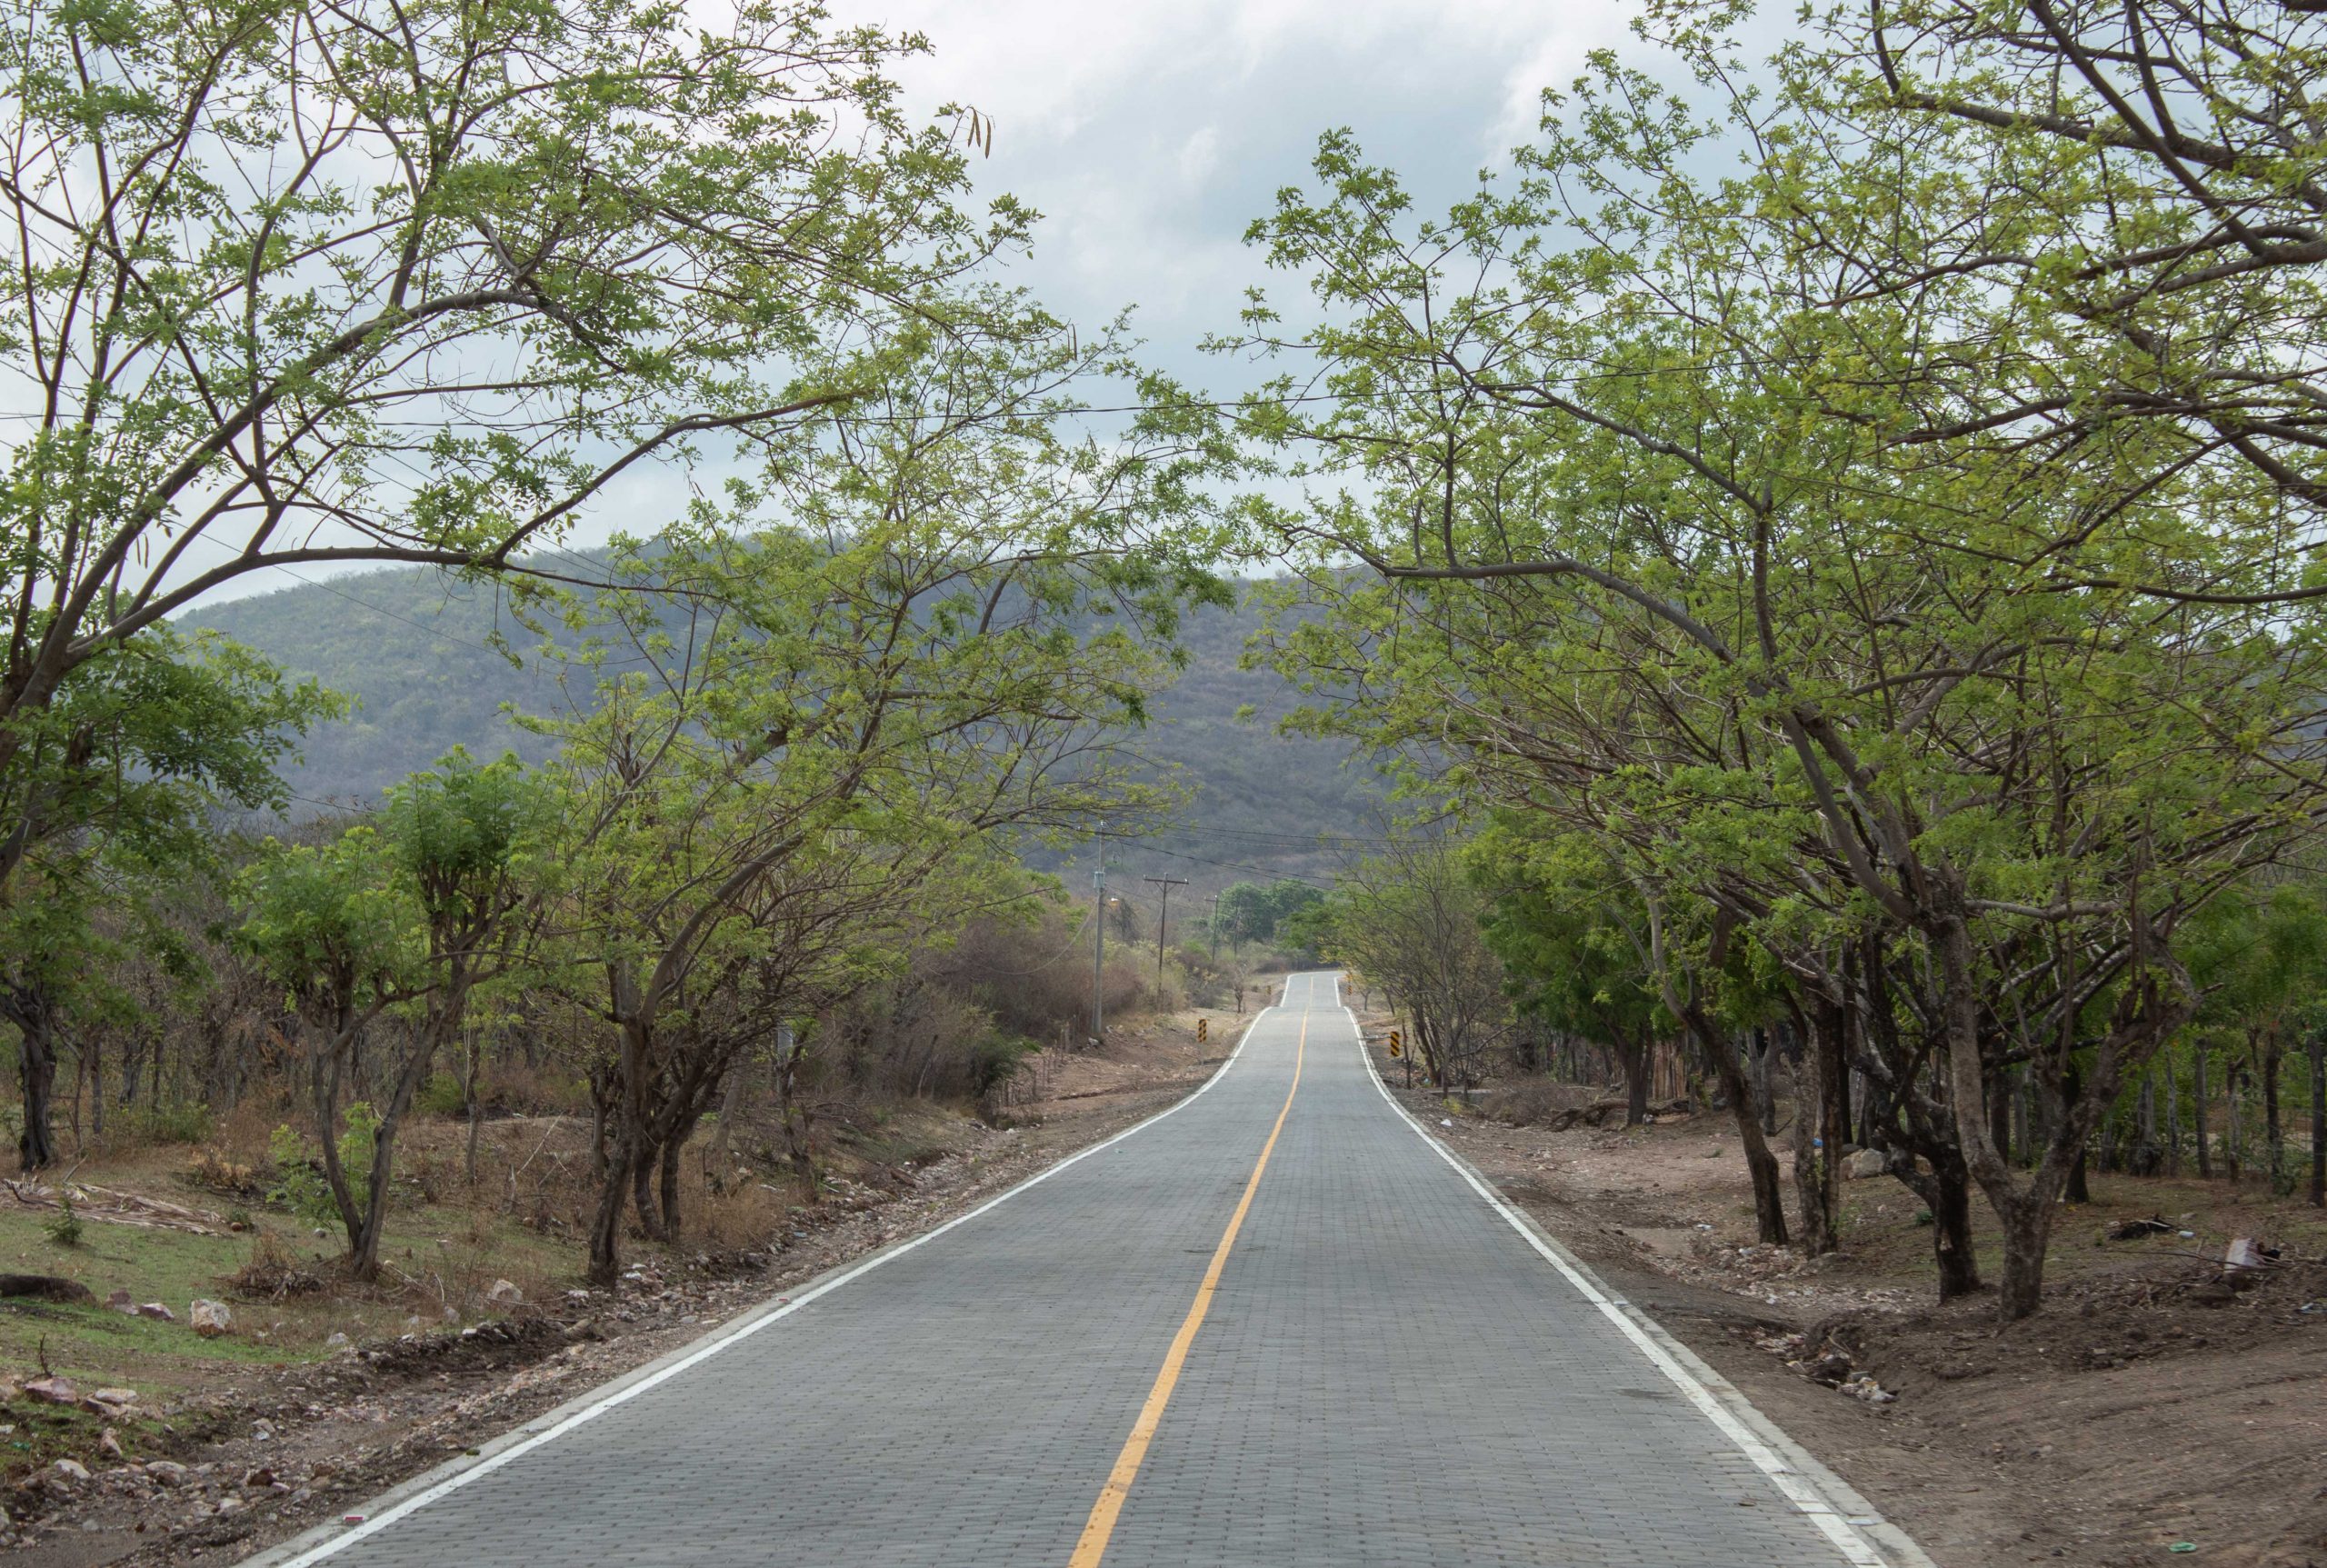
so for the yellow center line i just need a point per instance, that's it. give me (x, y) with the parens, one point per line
(1101, 1525)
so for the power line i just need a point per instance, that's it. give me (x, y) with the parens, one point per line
(1275, 840)
(1233, 865)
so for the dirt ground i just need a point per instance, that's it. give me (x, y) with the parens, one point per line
(2149, 1406)
(233, 1443)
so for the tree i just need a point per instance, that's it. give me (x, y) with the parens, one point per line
(414, 910)
(1255, 912)
(1669, 544)
(463, 839)
(310, 283)
(111, 793)
(331, 924)
(2149, 185)
(1572, 935)
(1411, 921)
(2261, 955)
(833, 709)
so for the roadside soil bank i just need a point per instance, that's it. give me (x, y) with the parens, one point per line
(2149, 1406)
(232, 1444)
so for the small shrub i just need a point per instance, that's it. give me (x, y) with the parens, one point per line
(743, 1216)
(300, 1185)
(213, 1171)
(184, 1123)
(64, 1227)
(442, 1095)
(273, 1273)
(994, 1059)
(514, 1089)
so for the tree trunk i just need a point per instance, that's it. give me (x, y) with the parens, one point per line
(365, 1261)
(796, 1124)
(1430, 1061)
(2233, 1128)
(2079, 1191)
(1951, 1241)
(2275, 1133)
(133, 1067)
(2198, 1114)
(31, 1011)
(2318, 1119)
(669, 1186)
(731, 1110)
(1765, 1099)
(605, 1222)
(2173, 1119)
(2027, 1232)
(475, 1062)
(1821, 1087)
(1761, 1166)
(642, 1192)
(1633, 1054)
(2143, 1159)
(627, 1119)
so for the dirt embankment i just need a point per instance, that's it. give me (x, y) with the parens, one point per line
(219, 1458)
(2152, 1406)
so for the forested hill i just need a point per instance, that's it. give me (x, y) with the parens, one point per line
(414, 649)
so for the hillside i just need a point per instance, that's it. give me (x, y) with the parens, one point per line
(415, 649)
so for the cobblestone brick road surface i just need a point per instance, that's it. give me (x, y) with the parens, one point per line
(1388, 1374)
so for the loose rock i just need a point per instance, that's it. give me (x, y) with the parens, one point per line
(210, 1319)
(52, 1390)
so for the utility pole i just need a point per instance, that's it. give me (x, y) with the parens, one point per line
(1213, 925)
(1167, 883)
(1099, 944)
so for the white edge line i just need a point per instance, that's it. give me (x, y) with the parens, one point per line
(1806, 1482)
(315, 1544)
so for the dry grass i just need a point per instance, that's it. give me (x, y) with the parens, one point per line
(739, 1217)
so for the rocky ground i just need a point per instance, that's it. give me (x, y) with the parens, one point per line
(2154, 1410)
(255, 1453)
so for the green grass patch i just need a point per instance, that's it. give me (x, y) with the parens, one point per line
(33, 1436)
(95, 1343)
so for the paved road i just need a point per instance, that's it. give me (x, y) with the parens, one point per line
(1386, 1373)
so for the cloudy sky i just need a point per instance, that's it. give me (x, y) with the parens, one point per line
(1150, 132)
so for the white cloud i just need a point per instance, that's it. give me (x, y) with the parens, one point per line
(1151, 131)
